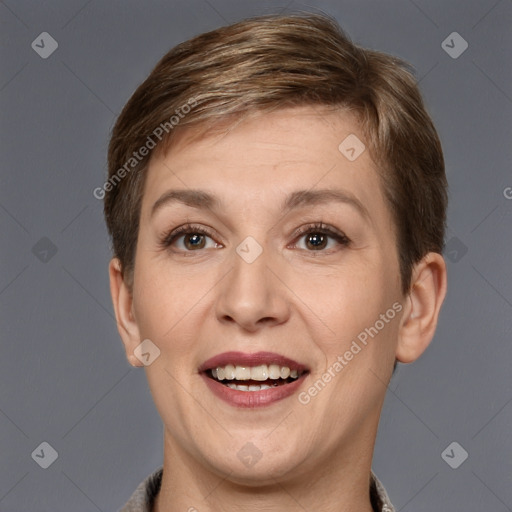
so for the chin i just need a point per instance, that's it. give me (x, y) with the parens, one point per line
(257, 463)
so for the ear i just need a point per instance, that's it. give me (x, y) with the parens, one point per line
(426, 295)
(123, 302)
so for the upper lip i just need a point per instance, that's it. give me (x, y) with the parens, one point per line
(255, 359)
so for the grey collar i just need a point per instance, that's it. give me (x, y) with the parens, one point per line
(143, 498)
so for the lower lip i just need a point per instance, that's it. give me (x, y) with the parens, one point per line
(252, 399)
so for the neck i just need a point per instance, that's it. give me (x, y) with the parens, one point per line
(340, 484)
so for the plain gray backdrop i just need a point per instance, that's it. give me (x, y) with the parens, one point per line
(64, 377)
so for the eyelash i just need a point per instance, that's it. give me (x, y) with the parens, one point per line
(316, 228)
(187, 229)
(321, 229)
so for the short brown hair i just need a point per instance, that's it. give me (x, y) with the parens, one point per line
(277, 61)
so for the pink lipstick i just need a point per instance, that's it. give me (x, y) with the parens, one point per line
(252, 380)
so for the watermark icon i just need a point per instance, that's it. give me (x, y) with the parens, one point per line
(455, 249)
(351, 147)
(343, 360)
(151, 141)
(249, 249)
(454, 455)
(507, 192)
(45, 455)
(147, 352)
(249, 454)
(44, 249)
(454, 45)
(44, 45)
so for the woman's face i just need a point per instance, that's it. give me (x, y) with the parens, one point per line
(284, 264)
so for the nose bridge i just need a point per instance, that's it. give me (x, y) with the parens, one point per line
(251, 295)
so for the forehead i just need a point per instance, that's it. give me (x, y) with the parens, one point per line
(268, 156)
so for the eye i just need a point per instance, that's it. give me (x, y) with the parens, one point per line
(189, 238)
(319, 237)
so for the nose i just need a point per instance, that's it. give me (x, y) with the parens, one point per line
(252, 296)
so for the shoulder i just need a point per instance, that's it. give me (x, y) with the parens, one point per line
(379, 496)
(144, 496)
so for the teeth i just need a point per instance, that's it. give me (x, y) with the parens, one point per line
(285, 372)
(242, 373)
(230, 372)
(261, 373)
(252, 387)
(274, 371)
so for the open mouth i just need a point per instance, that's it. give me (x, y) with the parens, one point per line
(254, 378)
(251, 380)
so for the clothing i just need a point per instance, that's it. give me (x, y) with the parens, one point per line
(144, 496)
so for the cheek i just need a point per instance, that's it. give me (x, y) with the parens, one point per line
(158, 301)
(168, 306)
(349, 304)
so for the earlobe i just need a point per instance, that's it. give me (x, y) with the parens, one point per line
(427, 292)
(122, 301)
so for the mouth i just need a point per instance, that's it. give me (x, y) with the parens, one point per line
(252, 380)
(255, 378)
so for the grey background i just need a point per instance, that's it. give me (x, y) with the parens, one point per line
(64, 377)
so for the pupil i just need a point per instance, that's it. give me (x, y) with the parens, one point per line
(316, 240)
(194, 241)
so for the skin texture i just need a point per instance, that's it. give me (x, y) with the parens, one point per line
(306, 304)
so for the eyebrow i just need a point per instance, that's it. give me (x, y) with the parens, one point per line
(193, 198)
(315, 197)
(297, 199)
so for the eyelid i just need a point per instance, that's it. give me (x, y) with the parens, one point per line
(169, 237)
(320, 227)
(337, 241)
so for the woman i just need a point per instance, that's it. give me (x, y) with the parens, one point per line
(276, 201)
